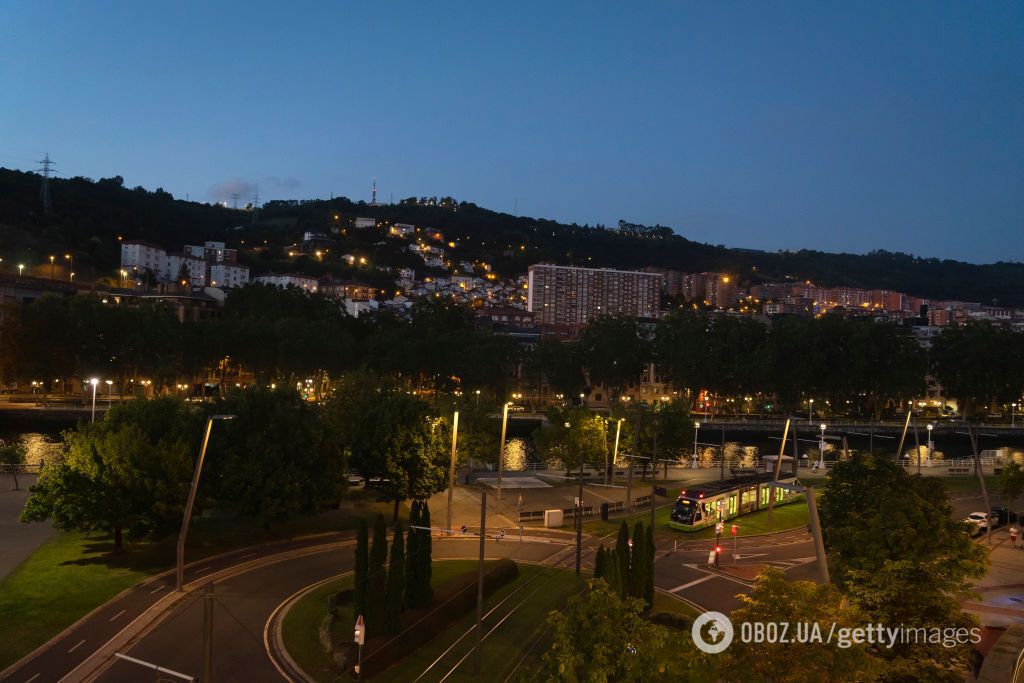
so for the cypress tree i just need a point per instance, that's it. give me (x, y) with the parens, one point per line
(611, 571)
(599, 562)
(412, 558)
(638, 565)
(361, 568)
(377, 579)
(649, 588)
(396, 580)
(622, 558)
(425, 548)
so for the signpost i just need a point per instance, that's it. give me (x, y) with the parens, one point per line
(359, 638)
(735, 541)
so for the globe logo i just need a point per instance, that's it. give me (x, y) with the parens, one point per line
(712, 632)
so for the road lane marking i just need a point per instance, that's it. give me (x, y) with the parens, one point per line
(200, 571)
(248, 555)
(117, 615)
(33, 678)
(80, 643)
(692, 583)
(157, 589)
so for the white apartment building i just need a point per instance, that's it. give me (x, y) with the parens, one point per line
(143, 256)
(366, 223)
(310, 284)
(228, 275)
(196, 268)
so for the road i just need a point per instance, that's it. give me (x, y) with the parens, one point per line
(256, 581)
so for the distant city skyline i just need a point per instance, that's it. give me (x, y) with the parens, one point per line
(793, 126)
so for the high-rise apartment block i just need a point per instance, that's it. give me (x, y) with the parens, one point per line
(566, 295)
(210, 264)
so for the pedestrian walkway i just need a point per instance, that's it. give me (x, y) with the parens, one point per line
(18, 540)
(1001, 590)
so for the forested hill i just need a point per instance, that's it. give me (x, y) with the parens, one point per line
(88, 216)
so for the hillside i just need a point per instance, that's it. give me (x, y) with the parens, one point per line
(88, 217)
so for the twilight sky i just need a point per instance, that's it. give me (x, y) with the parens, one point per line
(770, 125)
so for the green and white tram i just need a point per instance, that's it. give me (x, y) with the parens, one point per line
(705, 504)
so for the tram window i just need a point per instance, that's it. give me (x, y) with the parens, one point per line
(765, 492)
(732, 504)
(697, 515)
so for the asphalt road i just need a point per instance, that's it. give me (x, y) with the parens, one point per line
(256, 580)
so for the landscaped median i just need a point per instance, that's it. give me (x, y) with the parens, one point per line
(440, 639)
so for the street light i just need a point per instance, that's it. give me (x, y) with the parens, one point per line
(110, 390)
(615, 452)
(501, 446)
(180, 575)
(21, 267)
(696, 429)
(810, 410)
(821, 447)
(1013, 414)
(928, 463)
(71, 267)
(93, 382)
(51, 266)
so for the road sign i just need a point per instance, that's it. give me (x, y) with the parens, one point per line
(720, 527)
(360, 634)
(735, 529)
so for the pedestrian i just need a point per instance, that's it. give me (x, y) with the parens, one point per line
(1013, 535)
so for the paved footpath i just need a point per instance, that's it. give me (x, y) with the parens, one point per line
(17, 539)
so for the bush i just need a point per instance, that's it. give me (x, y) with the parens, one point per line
(671, 620)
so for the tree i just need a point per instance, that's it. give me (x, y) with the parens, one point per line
(275, 459)
(612, 572)
(413, 563)
(377, 580)
(979, 363)
(649, 587)
(615, 352)
(775, 599)
(622, 559)
(361, 569)
(603, 637)
(638, 563)
(12, 455)
(573, 436)
(402, 443)
(396, 580)
(129, 473)
(599, 560)
(1011, 483)
(425, 548)
(901, 556)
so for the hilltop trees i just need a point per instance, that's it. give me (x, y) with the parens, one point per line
(574, 437)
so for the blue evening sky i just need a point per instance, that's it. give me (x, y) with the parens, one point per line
(771, 125)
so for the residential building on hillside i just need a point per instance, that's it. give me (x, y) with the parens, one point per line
(209, 264)
(567, 295)
(310, 284)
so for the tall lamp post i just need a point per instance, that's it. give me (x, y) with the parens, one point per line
(501, 446)
(451, 469)
(93, 382)
(615, 452)
(71, 268)
(696, 430)
(110, 390)
(928, 462)
(180, 574)
(1013, 415)
(810, 410)
(821, 447)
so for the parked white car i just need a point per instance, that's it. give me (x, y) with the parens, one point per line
(978, 521)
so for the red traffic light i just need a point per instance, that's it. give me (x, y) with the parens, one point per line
(735, 529)
(718, 548)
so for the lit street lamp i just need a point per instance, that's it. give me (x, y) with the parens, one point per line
(180, 577)
(1013, 414)
(696, 429)
(928, 462)
(110, 390)
(451, 468)
(501, 446)
(93, 382)
(821, 447)
(21, 267)
(71, 267)
(615, 453)
(810, 410)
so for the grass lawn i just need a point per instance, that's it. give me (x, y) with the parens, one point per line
(667, 603)
(969, 484)
(72, 573)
